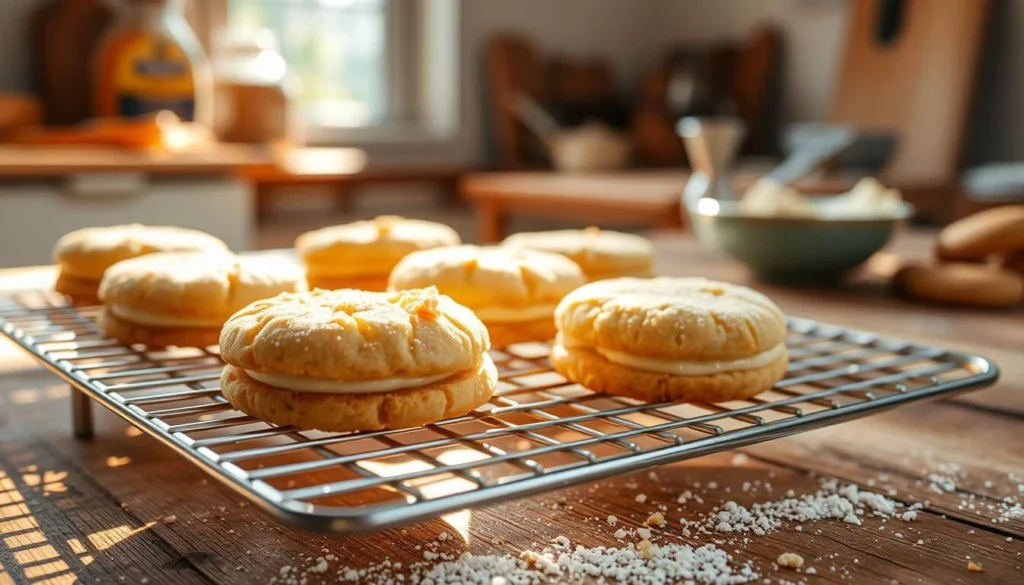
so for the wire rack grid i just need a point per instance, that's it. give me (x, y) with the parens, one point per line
(538, 432)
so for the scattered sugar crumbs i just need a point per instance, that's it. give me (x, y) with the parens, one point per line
(642, 563)
(642, 557)
(636, 559)
(847, 503)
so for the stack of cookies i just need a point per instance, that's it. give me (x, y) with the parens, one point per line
(165, 286)
(980, 262)
(402, 337)
(82, 256)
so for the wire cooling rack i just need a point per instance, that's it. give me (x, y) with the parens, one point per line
(537, 433)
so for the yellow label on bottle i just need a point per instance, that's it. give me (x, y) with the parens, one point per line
(150, 74)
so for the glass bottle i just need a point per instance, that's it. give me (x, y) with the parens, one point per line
(151, 61)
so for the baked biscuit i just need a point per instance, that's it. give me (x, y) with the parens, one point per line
(351, 360)
(999, 230)
(682, 339)
(600, 254)
(361, 254)
(512, 290)
(961, 283)
(183, 298)
(82, 256)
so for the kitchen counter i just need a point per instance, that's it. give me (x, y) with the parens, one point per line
(30, 162)
(49, 191)
(124, 509)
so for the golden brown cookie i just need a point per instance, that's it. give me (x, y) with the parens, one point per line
(362, 254)
(351, 360)
(130, 332)
(599, 253)
(590, 369)
(686, 339)
(959, 283)
(454, 396)
(82, 291)
(82, 256)
(999, 230)
(512, 290)
(183, 298)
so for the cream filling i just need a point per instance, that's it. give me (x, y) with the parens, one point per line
(692, 368)
(325, 386)
(160, 320)
(517, 315)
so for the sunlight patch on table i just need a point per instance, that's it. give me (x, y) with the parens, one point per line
(104, 539)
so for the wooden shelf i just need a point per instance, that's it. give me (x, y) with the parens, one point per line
(26, 162)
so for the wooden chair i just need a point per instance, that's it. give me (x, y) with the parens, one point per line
(575, 81)
(740, 77)
(652, 126)
(514, 66)
(755, 70)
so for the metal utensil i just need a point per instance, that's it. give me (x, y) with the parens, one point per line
(533, 116)
(711, 144)
(828, 143)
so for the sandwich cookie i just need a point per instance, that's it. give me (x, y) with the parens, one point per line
(361, 254)
(351, 360)
(681, 339)
(962, 283)
(84, 255)
(514, 291)
(999, 230)
(183, 298)
(600, 254)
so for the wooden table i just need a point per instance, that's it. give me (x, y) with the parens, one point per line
(102, 510)
(635, 198)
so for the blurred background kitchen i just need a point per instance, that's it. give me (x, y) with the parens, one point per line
(278, 116)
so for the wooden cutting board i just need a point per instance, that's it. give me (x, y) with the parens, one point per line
(909, 70)
(65, 34)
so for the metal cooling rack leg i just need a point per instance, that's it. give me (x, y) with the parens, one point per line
(81, 414)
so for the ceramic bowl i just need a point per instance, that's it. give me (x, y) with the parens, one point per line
(794, 249)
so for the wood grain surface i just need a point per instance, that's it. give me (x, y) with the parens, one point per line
(124, 509)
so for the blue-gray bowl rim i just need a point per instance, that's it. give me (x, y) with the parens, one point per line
(906, 212)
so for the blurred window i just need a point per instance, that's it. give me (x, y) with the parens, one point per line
(359, 62)
(337, 48)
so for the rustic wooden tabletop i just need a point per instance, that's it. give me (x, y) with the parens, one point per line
(124, 509)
